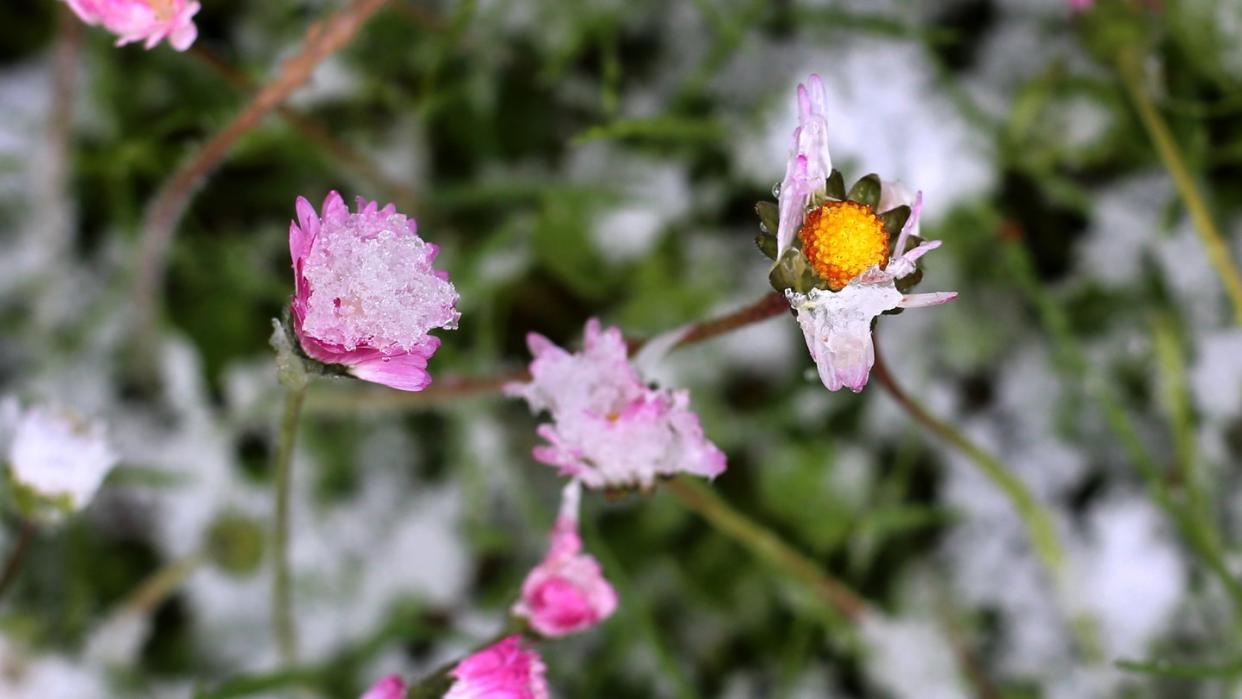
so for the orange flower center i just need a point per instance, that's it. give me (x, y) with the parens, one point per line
(842, 239)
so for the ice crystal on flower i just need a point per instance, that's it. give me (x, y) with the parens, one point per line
(371, 283)
(609, 430)
(365, 292)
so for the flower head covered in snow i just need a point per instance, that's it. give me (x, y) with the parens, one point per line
(389, 687)
(56, 457)
(609, 430)
(566, 592)
(504, 670)
(148, 21)
(842, 258)
(366, 294)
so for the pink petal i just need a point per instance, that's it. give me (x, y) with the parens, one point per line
(404, 372)
(390, 687)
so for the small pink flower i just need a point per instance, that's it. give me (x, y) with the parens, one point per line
(809, 164)
(390, 687)
(366, 294)
(609, 430)
(149, 21)
(505, 670)
(1080, 5)
(567, 592)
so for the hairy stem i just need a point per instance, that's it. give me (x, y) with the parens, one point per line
(322, 40)
(767, 545)
(282, 612)
(1129, 66)
(13, 565)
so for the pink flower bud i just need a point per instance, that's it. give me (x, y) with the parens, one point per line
(566, 592)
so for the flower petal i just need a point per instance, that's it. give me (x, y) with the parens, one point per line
(404, 372)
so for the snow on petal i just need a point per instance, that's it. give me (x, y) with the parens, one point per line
(57, 455)
(365, 292)
(609, 429)
(837, 328)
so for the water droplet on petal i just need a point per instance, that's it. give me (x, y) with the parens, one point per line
(776, 190)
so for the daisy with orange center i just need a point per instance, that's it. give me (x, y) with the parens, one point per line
(833, 256)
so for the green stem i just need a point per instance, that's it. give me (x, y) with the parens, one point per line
(282, 614)
(1129, 67)
(1036, 519)
(766, 545)
(14, 563)
(1071, 356)
(152, 591)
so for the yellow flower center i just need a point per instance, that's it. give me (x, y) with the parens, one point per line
(842, 239)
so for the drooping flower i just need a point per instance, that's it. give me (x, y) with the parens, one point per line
(505, 670)
(390, 687)
(609, 430)
(366, 294)
(567, 591)
(843, 258)
(148, 21)
(57, 456)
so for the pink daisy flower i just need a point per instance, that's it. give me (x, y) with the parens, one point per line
(609, 430)
(566, 592)
(366, 295)
(148, 21)
(505, 670)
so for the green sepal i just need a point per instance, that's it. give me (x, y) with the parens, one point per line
(834, 186)
(894, 220)
(34, 506)
(769, 216)
(908, 282)
(866, 191)
(766, 242)
(792, 271)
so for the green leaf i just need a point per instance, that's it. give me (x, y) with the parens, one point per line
(766, 242)
(835, 185)
(1163, 668)
(866, 191)
(894, 220)
(769, 217)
